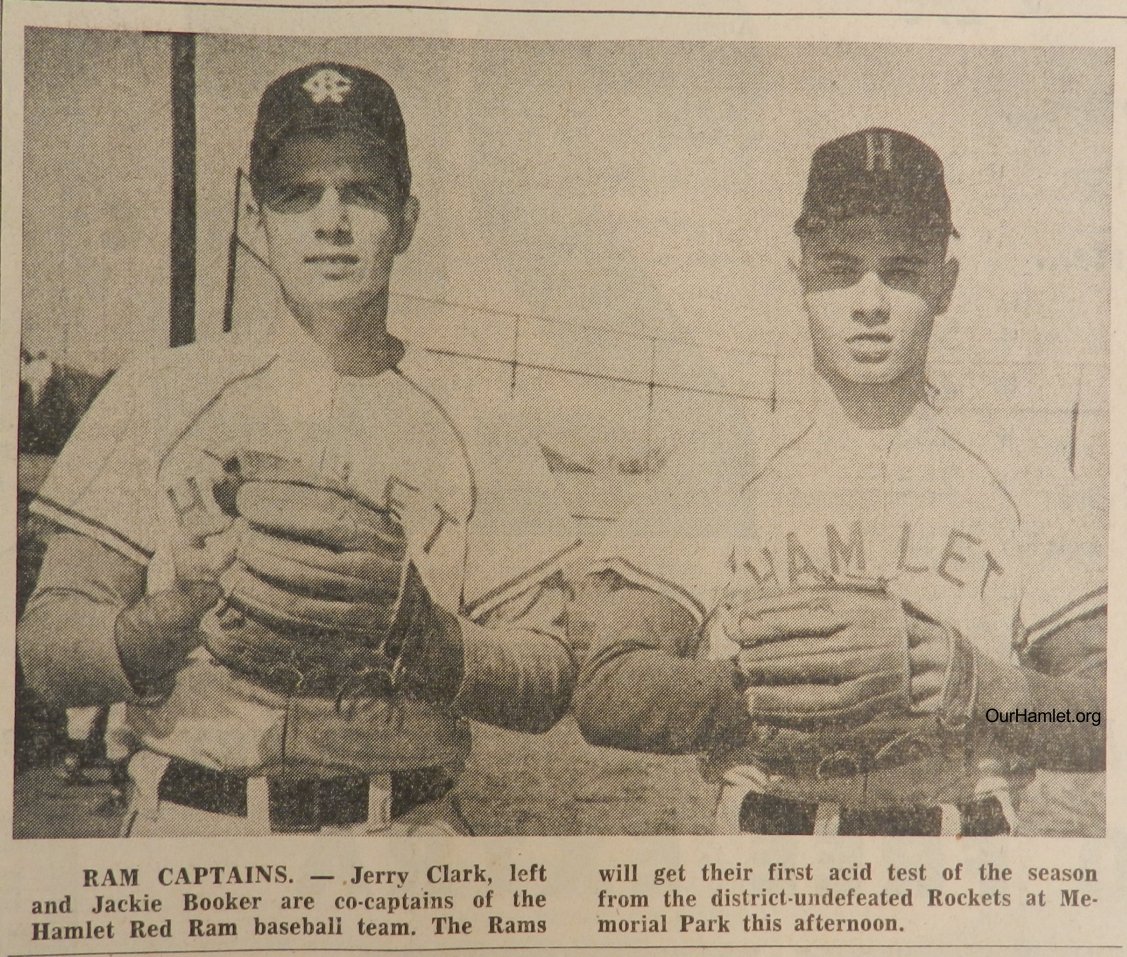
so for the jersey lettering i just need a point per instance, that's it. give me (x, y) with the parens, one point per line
(902, 564)
(799, 561)
(852, 557)
(991, 566)
(399, 495)
(765, 575)
(186, 499)
(962, 561)
(878, 153)
(952, 556)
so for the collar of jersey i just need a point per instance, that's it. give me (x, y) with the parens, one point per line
(838, 431)
(297, 350)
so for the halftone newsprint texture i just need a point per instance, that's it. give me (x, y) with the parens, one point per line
(552, 424)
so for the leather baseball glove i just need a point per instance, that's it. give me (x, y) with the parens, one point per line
(843, 653)
(322, 597)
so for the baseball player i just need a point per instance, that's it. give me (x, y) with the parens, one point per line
(840, 629)
(297, 563)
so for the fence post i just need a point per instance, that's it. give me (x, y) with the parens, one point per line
(182, 283)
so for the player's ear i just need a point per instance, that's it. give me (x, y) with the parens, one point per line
(409, 219)
(947, 289)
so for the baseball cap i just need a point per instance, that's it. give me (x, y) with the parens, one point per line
(876, 171)
(327, 97)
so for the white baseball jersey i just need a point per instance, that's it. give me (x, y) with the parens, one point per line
(912, 505)
(481, 512)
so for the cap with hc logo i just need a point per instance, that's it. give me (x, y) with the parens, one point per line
(326, 97)
(876, 172)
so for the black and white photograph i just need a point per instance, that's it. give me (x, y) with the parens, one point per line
(445, 437)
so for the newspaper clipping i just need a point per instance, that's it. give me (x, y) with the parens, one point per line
(551, 478)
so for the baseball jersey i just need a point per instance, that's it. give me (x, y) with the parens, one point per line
(912, 505)
(480, 511)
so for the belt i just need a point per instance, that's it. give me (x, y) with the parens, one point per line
(767, 814)
(298, 804)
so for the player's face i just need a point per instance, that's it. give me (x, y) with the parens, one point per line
(334, 221)
(873, 286)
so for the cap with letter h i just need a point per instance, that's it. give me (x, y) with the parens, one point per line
(876, 172)
(326, 98)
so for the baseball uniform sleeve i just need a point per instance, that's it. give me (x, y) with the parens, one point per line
(1064, 672)
(516, 675)
(647, 684)
(99, 493)
(1060, 637)
(517, 670)
(106, 482)
(103, 483)
(521, 532)
(677, 539)
(513, 670)
(66, 636)
(1068, 560)
(102, 493)
(643, 687)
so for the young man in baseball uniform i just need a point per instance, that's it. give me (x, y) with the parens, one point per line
(842, 630)
(298, 564)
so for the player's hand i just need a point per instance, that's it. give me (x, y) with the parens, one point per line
(204, 557)
(156, 634)
(813, 657)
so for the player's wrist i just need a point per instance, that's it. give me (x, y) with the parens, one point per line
(1001, 685)
(973, 683)
(433, 652)
(514, 677)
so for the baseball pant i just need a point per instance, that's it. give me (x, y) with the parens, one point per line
(150, 814)
(744, 809)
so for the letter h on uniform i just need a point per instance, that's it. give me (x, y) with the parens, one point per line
(878, 148)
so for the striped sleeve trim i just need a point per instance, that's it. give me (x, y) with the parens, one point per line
(1077, 608)
(663, 586)
(84, 525)
(515, 586)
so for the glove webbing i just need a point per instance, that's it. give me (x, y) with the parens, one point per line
(377, 667)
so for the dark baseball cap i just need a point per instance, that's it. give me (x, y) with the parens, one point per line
(327, 97)
(878, 172)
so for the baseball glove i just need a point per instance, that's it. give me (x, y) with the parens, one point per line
(844, 653)
(835, 655)
(322, 597)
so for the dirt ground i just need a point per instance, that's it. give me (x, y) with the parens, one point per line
(514, 784)
(554, 784)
